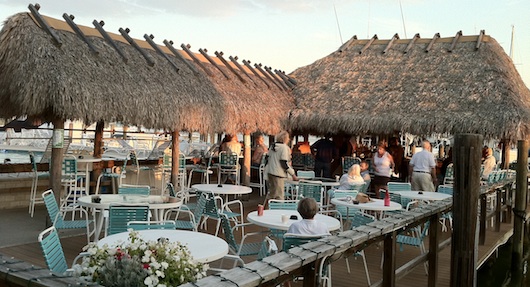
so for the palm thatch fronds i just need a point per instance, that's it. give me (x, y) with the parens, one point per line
(40, 79)
(465, 84)
(250, 103)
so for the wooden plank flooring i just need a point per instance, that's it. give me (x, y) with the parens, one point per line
(73, 244)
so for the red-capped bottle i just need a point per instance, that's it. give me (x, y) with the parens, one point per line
(387, 198)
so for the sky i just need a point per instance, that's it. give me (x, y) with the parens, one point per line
(288, 34)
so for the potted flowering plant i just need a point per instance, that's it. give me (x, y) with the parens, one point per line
(140, 263)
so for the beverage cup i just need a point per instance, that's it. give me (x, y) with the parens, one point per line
(260, 210)
(337, 178)
(349, 198)
(285, 218)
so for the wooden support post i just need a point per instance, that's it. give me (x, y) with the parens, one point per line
(467, 154)
(57, 158)
(482, 220)
(519, 209)
(245, 172)
(98, 149)
(498, 208)
(389, 257)
(175, 151)
(434, 238)
(310, 273)
(505, 160)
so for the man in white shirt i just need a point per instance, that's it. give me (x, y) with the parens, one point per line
(422, 169)
(489, 164)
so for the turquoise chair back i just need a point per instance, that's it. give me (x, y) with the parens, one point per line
(120, 215)
(69, 167)
(134, 189)
(228, 158)
(147, 225)
(229, 235)
(348, 161)
(52, 207)
(310, 189)
(53, 250)
(399, 186)
(293, 240)
(447, 189)
(297, 160)
(283, 204)
(359, 219)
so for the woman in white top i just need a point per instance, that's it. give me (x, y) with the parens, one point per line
(352, 178)
(383, 165)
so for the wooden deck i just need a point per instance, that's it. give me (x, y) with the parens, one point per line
(73, 244)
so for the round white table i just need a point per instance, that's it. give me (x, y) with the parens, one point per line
(203, 247)
(376, 205)
(156, 203)
(226, 189)
(272, 218)
(424, 196)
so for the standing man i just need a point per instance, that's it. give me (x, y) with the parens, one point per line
(422, 169)
(325, 152)
(278, 167)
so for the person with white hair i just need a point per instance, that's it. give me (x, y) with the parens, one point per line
(489, 163)
(422, 169)
(278, 167)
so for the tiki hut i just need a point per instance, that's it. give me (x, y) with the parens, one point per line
(64, 79)
(462, 84)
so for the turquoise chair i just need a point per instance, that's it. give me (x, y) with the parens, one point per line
(121, 215)
(143, 190)
(399, 186)
(348, 161)
(34, 184)
(243, 248)
(291, 240)
(312, 189)
(137, 168)
(215, 207)
(360, 219)
(147, 225)
(56, 215)
(228, 167)
(117, 172)
(194, 216)
(414, 237)
(53, 252)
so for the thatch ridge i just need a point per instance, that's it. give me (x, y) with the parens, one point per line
(467, 90)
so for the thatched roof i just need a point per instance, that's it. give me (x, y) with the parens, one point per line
(467, 85)
(42, 79)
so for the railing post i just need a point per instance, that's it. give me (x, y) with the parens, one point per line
(389, 260)
(498, 208)
(310, 273)
(519, 209)
(483, 219)
(434, 238)
(465, 197)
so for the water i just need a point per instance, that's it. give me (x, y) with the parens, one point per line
(18, 156)
(497, 271)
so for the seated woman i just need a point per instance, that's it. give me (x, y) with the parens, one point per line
(352, 178)
(308, 208)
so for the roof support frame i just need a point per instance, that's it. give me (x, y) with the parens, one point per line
(431, 43)
(125, 34)
(247, 64)
(169, 45)
(149, 39)
(205, 54)
(368, 44)
(70, 20)
(411, 43)
(455, 41)
(219, 55)
(44, 25)
(99, 26)
(186, 48)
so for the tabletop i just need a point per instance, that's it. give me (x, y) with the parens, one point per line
(373, 205)
(203, 247)
(272, 218)
(154, 201)
(425, 195)
(229, 189)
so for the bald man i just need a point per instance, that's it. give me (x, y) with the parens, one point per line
(422, 169)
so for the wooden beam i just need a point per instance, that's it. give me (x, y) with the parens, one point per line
(455, 41)
(234, 60)
(389, 45)
(220, 57)
(285, 79)
(348, 44)
(389, 260)
(431, 43)
(169, 45)
(99, 26)
(258, 67)
(70, 20)
(43, 24)
(204, 53)
(247, 64)
(186, 48)
(519, 209)
(411, 43)
(291, 79)
(367, 45)
(434, 239)
(479, 39)
(149, 39)
(273, 76)
(125, 34)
